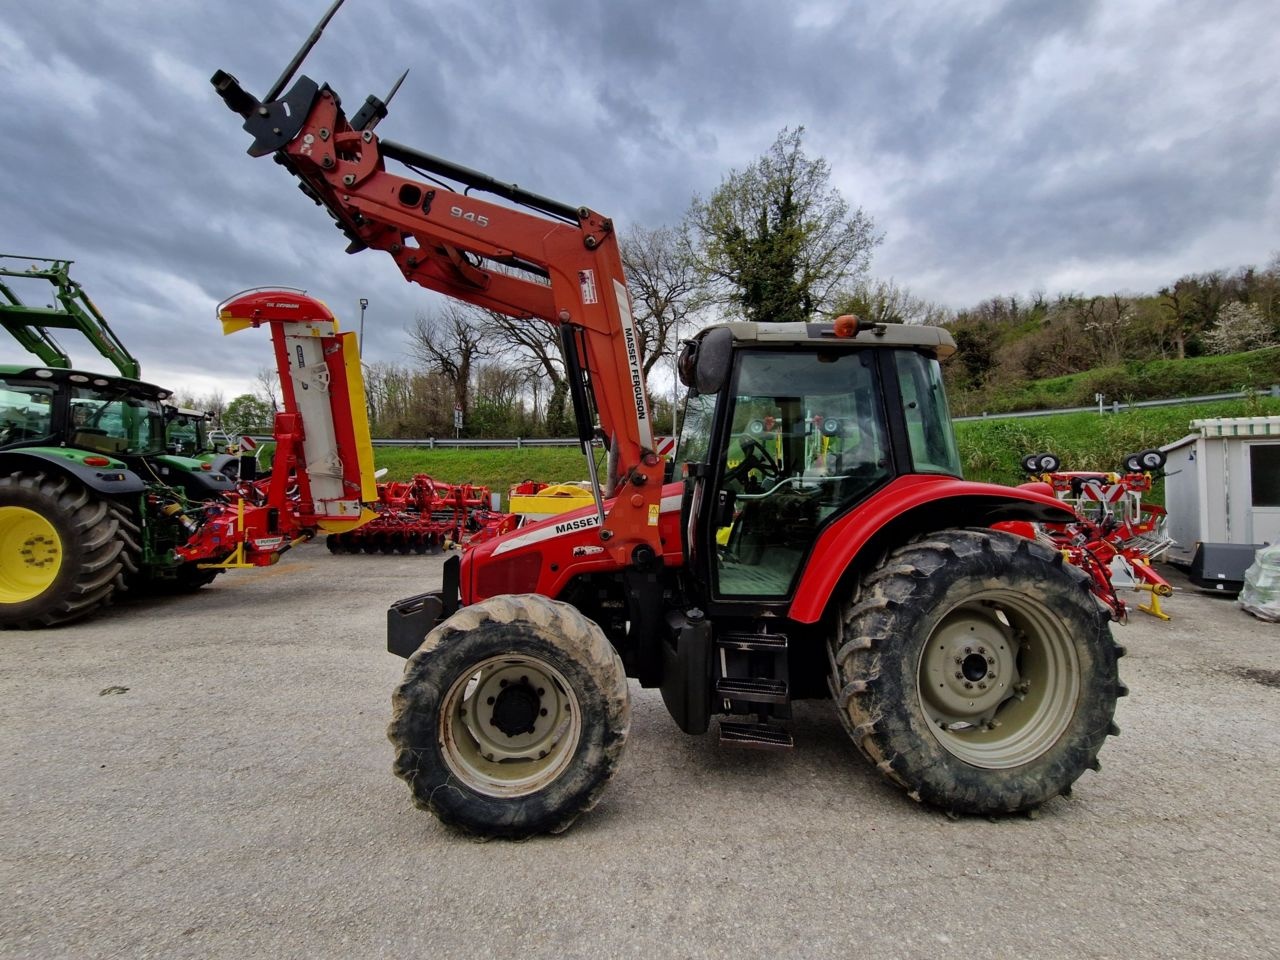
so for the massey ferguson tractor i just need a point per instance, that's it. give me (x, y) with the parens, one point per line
(812, 537)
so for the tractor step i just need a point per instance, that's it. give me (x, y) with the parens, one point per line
(752, 689)
(772, 642)
(754, 736)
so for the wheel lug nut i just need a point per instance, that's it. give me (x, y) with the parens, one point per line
(982, 686)
(542, 691)
(982, 649)
(543, 711)
(502, 683)
(959, 660)
(968, 685)
(968, 649)
(959, 675)
(491, 701)
(991, 659)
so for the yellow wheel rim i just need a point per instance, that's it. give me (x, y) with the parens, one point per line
(30, 554)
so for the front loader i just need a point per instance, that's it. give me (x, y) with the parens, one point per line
(815, 540)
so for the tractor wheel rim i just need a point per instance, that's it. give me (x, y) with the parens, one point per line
(509, 726)
(999, 680)
(30, 554)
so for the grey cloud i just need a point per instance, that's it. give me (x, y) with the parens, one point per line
(988, 172)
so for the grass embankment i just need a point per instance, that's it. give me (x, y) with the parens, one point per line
(1134, 380)
(990, 450)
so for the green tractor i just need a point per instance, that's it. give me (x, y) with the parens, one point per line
(92, 501)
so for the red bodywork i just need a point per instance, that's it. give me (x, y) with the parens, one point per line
(543, 557)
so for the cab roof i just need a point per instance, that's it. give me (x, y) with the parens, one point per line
(934, 339)
(83, 378)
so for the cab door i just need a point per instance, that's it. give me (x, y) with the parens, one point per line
(801, 438)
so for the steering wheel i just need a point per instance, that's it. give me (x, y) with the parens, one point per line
(754, 455)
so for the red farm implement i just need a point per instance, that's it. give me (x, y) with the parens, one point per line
(1115, 536)
(423, 516)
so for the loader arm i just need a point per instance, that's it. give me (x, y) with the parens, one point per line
(550, 263)
(30, 325)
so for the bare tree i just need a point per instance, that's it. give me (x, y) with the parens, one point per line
(883, 301)
(451, 342)
(268, 387)
(533, 347)
(663, 281)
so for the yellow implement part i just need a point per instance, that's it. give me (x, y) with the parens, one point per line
(1153, 607)
(550, 501)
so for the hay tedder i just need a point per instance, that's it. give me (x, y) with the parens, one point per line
(1115, 536)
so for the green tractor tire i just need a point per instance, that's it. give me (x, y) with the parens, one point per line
(60, 550)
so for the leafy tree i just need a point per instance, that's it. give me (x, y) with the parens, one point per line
(776, 241)
(247, 414)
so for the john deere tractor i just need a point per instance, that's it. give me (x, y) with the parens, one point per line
(91, 501)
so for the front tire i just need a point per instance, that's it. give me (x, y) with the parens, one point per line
(511, 717)
(976, 670)
(60, 551)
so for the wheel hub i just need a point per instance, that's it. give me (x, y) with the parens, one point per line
(31, 554)
(516, 709)
(999, 679)
(509, 726)
(969, 669)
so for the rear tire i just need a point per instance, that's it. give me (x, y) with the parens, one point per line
(978, 672)
(511, 717)
(60, 551)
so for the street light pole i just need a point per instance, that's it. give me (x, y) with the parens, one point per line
(675, 376)
(360, 340)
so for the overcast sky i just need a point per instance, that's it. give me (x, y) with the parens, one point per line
(1001, 147)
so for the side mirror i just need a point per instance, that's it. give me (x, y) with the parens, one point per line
(711, 360)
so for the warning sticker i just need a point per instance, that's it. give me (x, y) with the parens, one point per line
(587, 281)
(653, 514)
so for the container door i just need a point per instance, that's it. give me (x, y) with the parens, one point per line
(1264, 492)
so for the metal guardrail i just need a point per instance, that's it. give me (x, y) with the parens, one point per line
(1115, 406)
(518, 443)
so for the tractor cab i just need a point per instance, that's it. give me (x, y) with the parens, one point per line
(789, 427)
(58, 407)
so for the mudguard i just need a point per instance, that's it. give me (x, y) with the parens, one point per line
(912, 503)
(113, 479)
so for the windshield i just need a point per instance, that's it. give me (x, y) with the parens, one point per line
(111, 421)
(26, 413)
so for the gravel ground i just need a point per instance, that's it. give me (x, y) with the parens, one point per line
(208, 776)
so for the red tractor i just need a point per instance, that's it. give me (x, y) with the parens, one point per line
(811, 538)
